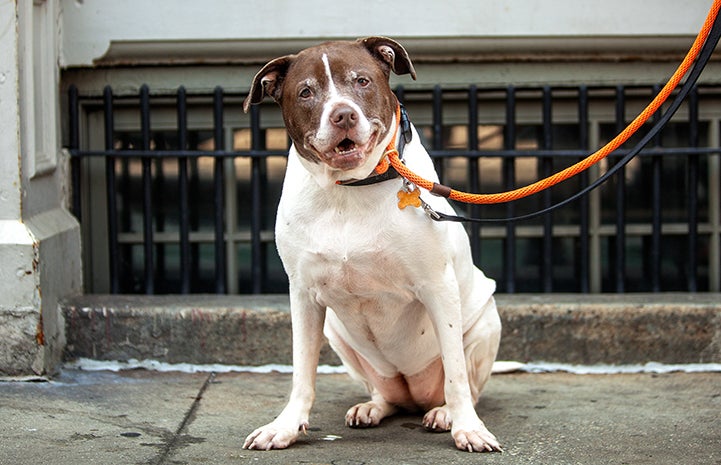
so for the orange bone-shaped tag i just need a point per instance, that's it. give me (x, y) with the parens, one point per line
(412, 198)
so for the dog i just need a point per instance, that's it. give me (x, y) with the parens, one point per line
(396, 294)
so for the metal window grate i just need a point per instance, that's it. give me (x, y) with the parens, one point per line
(628, 236)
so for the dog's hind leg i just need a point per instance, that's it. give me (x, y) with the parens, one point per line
(481, 343)
(368, 414)
(387, 394)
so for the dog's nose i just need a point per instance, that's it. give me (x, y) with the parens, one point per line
(344, 117)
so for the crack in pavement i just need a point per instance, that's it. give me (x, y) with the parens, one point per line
(176, 440)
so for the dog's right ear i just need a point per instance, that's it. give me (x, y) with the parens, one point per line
(268, 81)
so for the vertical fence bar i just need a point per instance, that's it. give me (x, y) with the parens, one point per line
(74, 144)
(692, 205)
(547, 169)
(110, 186)
(147, 192)
(509, 181)
(473, 173)
(583, 215)
(620, 244)
(218, 189)
(256, 216)
(656, 218)
(438, 129)
(183, 206)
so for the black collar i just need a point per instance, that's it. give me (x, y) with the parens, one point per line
(391, 173)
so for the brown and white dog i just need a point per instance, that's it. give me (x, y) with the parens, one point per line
(396, 293)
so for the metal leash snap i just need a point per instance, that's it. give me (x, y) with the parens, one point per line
(432, 214)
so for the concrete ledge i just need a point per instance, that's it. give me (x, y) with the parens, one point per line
(255, 330)
(612, 329)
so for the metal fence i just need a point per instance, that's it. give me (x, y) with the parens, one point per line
(655, 227)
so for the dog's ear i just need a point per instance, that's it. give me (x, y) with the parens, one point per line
(268, 81)
(391, 53)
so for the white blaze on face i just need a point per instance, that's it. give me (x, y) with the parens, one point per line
(325, 135)
(331, 84)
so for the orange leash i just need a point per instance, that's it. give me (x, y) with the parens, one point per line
(584, 164)
(391, 148)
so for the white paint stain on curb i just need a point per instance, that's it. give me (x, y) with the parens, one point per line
(498, 368)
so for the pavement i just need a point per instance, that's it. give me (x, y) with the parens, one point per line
(140, 416)
(149, 417)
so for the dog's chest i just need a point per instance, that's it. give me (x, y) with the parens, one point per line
(355, 262)
(342, 255)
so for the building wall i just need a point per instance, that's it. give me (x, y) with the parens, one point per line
(460, 42)
(97, 31)
(39, 239)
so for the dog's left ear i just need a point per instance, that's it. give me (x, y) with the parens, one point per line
(268, 81)
(391, 53)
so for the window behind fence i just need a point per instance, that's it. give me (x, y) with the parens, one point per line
(177, 193)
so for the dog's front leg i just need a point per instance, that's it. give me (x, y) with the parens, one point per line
(442, 301)
(307, 318)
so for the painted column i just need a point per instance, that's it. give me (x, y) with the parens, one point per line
(40, 259)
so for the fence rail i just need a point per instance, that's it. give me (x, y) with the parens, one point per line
(467, 130)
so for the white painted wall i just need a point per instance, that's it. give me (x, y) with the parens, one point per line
(9, 121)
(116, 31)
(39, 239)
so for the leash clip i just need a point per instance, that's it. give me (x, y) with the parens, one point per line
(432, 214)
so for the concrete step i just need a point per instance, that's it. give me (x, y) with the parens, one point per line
(255, 330)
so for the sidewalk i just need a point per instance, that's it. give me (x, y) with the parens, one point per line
(145, 417)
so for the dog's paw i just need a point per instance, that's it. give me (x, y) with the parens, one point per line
(438, 420)
(272, 436)
(367, 414)
(477, 439)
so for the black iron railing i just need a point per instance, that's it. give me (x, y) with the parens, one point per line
(548, 128)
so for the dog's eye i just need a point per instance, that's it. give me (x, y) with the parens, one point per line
(363, 82)
(305, 93)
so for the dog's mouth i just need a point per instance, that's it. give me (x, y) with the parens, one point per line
(349, 154)
(346, 147)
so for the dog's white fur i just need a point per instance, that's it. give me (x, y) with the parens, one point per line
(396, 294)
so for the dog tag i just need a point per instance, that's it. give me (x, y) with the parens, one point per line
(409, 198)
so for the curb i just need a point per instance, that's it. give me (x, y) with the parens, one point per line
(255, 330)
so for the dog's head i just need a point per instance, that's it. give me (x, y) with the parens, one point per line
(336, 102)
